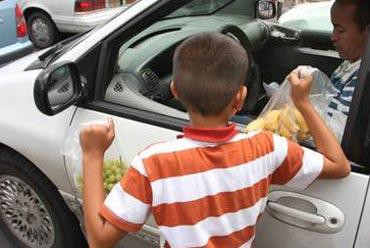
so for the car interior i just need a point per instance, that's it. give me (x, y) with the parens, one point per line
(143, 69)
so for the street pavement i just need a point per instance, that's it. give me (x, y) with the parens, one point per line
(127, 242)
(5, 241)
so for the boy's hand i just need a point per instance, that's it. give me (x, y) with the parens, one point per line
(300, 88)
(97, 138)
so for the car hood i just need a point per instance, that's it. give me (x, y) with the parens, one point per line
(308, 16)
(22, 63)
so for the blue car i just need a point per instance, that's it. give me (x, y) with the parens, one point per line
(14, 42)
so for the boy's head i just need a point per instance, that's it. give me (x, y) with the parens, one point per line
(208, 71)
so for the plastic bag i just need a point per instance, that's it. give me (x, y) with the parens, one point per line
(280, 115)
(114, 164)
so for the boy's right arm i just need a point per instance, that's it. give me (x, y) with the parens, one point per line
(336, 164)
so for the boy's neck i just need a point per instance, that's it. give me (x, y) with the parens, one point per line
(198, 120)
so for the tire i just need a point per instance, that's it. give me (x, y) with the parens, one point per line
(42, 30)
(32, 212)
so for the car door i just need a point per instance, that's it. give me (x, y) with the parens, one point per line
(113, 69)
(357, 140)
(135, 127)
(312, 218)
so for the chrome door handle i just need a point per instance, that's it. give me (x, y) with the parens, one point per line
(295, 213)
(305, 212)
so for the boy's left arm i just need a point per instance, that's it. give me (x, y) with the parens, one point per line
(94, 141)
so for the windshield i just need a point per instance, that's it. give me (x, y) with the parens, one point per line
(199, 7)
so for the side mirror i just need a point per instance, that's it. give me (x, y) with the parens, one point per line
(265, 9)
(58, 87)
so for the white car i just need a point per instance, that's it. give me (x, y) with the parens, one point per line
(314, 16)
(46, 19)
(123, 69)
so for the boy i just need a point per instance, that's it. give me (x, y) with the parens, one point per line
(208, 187)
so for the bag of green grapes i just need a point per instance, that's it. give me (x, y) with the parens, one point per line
(114, 163)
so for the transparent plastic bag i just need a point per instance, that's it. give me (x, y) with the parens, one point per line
(280, 115)
(114, 163)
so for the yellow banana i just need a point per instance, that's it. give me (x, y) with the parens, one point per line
(288, 120)
(272, 120)
(255, 125)
(301, 136)
(284, 131)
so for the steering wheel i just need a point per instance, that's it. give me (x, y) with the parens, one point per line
(253, 78)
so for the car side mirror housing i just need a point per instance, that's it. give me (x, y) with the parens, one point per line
(265, 9)
(57, 87)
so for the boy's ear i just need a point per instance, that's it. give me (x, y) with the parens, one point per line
(173, 90)
(240, 98)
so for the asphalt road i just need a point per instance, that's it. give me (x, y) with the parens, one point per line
(5, 241)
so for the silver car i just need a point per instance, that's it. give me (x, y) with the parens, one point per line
(46, 19)
(123, 70)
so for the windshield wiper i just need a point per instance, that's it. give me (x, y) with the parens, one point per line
(54, 50)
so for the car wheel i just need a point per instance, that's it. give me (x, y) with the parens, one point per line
(42, 30)
(32, 212)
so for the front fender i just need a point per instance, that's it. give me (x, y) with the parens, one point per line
(25, 129)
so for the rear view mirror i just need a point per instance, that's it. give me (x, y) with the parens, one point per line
(265, 9)
(57, 87)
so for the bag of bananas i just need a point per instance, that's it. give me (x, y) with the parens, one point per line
(287, 122)
(280, 115)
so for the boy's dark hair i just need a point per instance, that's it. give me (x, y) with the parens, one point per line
(361, 15)
(208, 70)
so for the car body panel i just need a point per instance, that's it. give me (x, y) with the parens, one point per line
(21, 64)
(363, 237)
(129, 134)
(315, 16)
(41, 137)
(101, 32)
(85, 22)
(11, 47)
(65, 17)
(274, 233)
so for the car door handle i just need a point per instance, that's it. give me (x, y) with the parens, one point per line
(295, 213)
(305, 212)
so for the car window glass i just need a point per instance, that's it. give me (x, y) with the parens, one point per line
(305, 14)
(199, 7)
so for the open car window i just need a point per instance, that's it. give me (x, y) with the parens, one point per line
(143, 64)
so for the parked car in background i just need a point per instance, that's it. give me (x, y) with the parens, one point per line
(46, 19)
(123, 69)
(14, 41)
(314, 16)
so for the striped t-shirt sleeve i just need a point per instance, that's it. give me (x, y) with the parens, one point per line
(297, 166)
(128, 204)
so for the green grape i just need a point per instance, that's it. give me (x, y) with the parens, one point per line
(79, 182)
(113, 170)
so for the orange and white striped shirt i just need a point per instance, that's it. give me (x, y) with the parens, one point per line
(208, 188)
